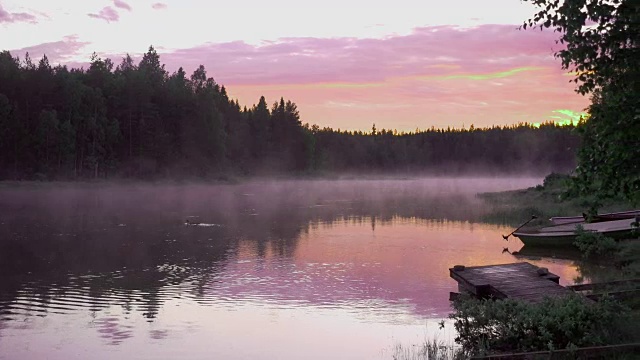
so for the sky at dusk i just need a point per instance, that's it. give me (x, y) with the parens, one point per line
(400, 64)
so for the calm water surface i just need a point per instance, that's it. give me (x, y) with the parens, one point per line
(339, 269)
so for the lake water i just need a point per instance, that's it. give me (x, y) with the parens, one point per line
(342, 269)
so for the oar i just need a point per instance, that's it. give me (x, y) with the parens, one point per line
(506, 237)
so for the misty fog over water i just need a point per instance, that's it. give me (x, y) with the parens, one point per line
(282, 269)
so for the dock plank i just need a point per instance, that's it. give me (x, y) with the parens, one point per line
(523, 281)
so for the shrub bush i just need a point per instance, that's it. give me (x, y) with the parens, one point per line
(487, 326)
(591, 243)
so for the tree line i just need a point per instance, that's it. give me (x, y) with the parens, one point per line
(138, 121)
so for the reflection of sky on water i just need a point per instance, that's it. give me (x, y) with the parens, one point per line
(289, 280)
(403, 262)
(188, 330)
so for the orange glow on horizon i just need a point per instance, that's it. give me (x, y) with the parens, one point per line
(408, 103)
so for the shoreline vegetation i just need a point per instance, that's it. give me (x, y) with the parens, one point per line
(546, 200)
(600, 40)
(559, 326)
(137, 121)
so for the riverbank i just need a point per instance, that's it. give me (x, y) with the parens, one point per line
(494, 327)
(544, 201)
(489, 327)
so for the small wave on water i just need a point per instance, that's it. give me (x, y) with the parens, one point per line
(204, 225)
(188, 222)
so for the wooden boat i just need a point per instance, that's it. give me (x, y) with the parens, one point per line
(565, 234)
(621, 215)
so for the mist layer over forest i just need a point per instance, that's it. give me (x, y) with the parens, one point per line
(139, 121)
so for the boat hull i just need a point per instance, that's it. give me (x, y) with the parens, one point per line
(530, 239)
(562, 238)
(621, 215)
(565, 234)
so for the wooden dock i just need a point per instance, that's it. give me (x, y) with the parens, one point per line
(521, 281)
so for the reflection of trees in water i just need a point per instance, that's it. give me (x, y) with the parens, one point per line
(137, 267)
(127, 268)
(103, 246)
(600, 271)
(590, 270)
(111, 330)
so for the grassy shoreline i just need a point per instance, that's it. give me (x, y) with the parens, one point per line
(600, 259)
(544, 201)
(487, 327)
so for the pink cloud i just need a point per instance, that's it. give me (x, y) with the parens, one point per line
(159, 6)
(7, 17)
(107, 14)
(487, 48)
(121, 4)
(435, 76)
(57, 52)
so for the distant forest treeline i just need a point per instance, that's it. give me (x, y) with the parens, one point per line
(139, 121)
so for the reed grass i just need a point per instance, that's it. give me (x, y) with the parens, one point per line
(433, 349)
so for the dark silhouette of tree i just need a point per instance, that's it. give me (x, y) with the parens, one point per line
(137, 121)
(602, 47)
(259, 125)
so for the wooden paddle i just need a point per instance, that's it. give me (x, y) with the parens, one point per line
(506, 237)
